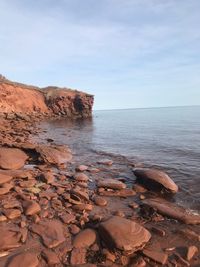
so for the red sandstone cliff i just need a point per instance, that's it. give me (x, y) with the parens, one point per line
(30, 100)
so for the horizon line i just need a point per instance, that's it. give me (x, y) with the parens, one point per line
(182, 106)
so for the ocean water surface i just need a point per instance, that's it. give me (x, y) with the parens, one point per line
(166, 138)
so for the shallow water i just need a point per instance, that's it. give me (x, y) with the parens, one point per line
(168, 138)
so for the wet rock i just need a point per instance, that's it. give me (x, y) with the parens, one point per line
(156, 255)
(82, 168)
(81, 207)
(123, 234)
(107, 162)
(50, 257)
(160, 177)
(5, 178)
(78, 256)
(25, 259)
(191, 251)
(9, 238)
(54, 154)
(51, 232)
(31, 208)
(12, 158)
(100, 201)
(12, 213)
(112, 184)
(81, 177)
(173, 211)
(85, 239)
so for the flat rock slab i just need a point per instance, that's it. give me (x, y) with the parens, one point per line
(111, 184)
(26, 259)
(123, 234)
(12, 158)
(5, 178)
(55, 154)
(160, 177)
(9, 238)
(173, 211)
(51, 232)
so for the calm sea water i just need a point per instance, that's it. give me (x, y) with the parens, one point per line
(168, 138)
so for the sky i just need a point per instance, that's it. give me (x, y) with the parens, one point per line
(128, 53)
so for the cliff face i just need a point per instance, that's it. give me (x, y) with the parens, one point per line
(24, 99)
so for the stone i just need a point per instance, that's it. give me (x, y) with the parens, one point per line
(81, 177)
(85, 238)
(68, 218)
(12, 213)
(51, 232)
(191, 251)
(74, 229)
(82, 207)
(31, 208)
(123, 234)
(5, 188)
(82, 168)
(9, 238)
(153, 175)
(24, 259)
(100, 201)
(50, 257)
(156, 255)
(112, 184)
(12, 158)
(56, 155)
(48, 177)
(173, 211)
(5, 178)
(78, 256)
(80, 193)
(107, 162)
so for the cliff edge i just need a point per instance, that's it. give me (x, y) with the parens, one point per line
(17, 98)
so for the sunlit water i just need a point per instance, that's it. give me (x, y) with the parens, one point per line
(168, 138)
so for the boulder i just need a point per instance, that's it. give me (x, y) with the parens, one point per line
(85, 238)
(153, 175)
(51, 232)
(111, 184)
(12, 158)
(24, 259)
(123, 234)
(172, 210)
(55, 155)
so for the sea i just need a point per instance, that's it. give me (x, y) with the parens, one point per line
(164, 138)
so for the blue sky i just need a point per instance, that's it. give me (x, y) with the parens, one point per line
(128, 53)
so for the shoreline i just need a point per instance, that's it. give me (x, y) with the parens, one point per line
(59, 211)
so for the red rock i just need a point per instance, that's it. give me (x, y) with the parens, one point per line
(84, 239)
(5, 178)
(81, 207)
(50, 257)
(5, 188)
(12, 213)
(158, 256)
(74, 229)
(78, 256)
(158, 231)
(9, 238)
(51, 232)
(12, 158)
(31, 208)
(80, 192)
(68, 218)
(25, 259)
(81, 177)
(111, 183)
(82, 168)
(100, 201)
(48, 177)
(171, 210)
(54, 154)
(192, 250)
(123, 234)
(156, 176)
(107, 162)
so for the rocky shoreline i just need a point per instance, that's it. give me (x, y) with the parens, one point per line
(59, 212)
